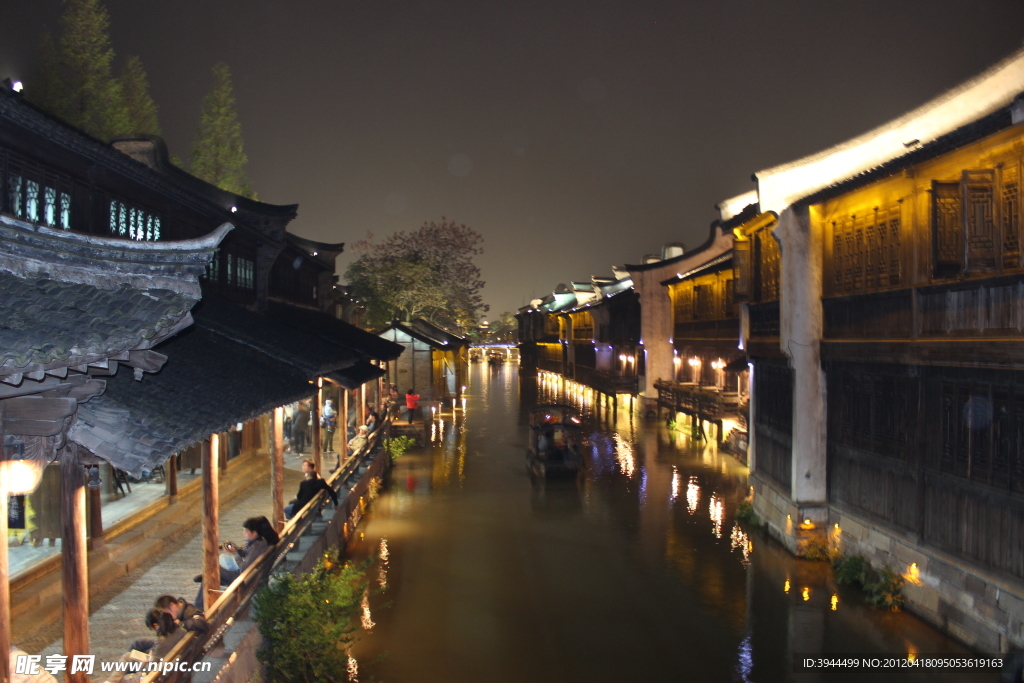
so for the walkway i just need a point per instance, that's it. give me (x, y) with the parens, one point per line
(117, 616)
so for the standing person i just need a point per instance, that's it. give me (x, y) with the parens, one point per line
(393, 398)
(309, 487)
(412, 402)
(329, 420)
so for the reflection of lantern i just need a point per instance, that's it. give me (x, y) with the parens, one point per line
(20, 474)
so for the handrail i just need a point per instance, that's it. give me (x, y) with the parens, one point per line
(193, 647)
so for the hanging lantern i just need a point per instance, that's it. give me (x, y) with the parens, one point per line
(22, 465)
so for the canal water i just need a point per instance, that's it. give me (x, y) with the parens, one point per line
(635, 571)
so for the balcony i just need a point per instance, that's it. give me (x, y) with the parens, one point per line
(605, 382)
(708, 403)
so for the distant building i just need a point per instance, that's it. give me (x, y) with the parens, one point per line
(434, 362)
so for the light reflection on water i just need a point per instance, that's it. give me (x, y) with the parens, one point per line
(486, 569)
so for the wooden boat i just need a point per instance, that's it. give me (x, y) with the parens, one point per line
(555, 435)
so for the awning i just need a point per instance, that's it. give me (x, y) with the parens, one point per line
(355, 376)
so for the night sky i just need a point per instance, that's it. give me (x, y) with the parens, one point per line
(573, 135)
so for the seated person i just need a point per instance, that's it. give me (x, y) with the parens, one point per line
(185, 614)
(309, 487)
(371, 421)
(259, 536)
(357, 442)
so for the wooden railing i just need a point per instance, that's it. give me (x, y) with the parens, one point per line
(704, 402)
(352, 483)
(605, 382)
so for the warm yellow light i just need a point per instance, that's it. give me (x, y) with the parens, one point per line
(806, 593)
(835, 602)
(21, 476)
(694, 362)
(785, 586)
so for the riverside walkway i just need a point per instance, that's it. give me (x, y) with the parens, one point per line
(117, 610)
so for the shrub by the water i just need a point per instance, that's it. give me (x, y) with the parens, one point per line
(308, 622)
(881, 588)
(398, 445)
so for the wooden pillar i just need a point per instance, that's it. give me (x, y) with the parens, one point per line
(277, 470)
(172, 477)
(211, 519)
(222, 453)
(74, 564)
(361, 413)
(343, 424)
(317, 438)
(5, 586)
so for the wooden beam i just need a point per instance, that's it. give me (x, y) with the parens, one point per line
(277, 469)
(5, 586)
(316, 433)
(211, 520)
(74, 560)
(147, 360)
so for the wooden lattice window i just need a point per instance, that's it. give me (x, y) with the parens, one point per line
(684, 303)
(704, 302)
(947, 229)
(979, 203)
(1010, 218)
(768, 262)
(866, 251)
(729, 298)
(889, 222)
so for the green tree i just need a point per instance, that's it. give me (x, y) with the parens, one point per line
(308, 622)
(75, 80)
(140, 106)
(90, 96)
(217, 155)
(426, 273)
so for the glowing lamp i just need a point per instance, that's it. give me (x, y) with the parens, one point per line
(694, 362)
(234, 209)
(19, 475)
(17, 86)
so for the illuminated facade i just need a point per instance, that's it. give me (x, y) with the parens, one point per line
(883, 314)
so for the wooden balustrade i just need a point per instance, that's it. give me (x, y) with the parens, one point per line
(194, 647)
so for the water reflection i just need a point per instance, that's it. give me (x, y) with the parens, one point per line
(494, 576)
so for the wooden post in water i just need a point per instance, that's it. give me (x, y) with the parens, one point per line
(211, 519)
(5, 586)
(74, 563)
(277, 469)
(317, 438)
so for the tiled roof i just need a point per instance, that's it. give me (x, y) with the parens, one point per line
(268, 334)
(208, 384)
(336, 331)
(43, 320)
(357, 375)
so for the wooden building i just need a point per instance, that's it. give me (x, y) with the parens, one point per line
(541, 346)
(884, 300)
(104, 252)
(709, 379)
(434, 363)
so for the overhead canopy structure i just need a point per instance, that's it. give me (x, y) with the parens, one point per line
(209, 384)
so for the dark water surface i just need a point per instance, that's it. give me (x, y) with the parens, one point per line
(636, 571)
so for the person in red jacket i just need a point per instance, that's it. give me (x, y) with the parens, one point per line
(411, 404)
